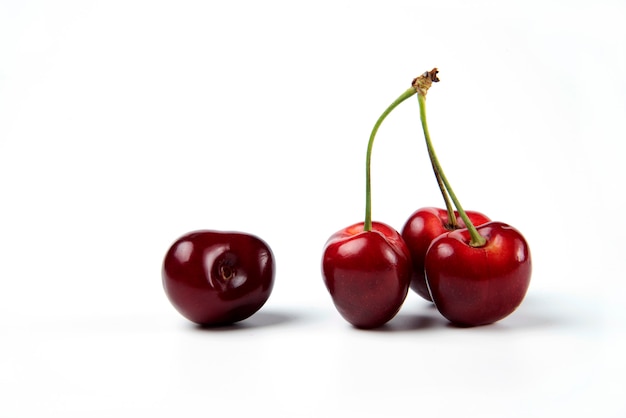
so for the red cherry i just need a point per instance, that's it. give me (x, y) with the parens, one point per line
(217, 278)
(367, 273)
(422, 227)
(473, 286)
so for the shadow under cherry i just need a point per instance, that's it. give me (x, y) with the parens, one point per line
(412, 322)
(261, 319)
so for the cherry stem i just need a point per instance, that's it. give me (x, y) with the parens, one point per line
(452, 223)
(367, 225)
(422, 84)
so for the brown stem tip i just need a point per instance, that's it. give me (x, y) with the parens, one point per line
(422, 83)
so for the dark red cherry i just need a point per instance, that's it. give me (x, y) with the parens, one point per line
(217, 278)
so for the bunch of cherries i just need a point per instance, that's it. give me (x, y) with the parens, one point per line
(475, 271)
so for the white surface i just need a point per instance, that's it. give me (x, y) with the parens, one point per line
(124, 124)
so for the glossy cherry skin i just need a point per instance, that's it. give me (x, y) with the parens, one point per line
(217, 278)
(473, 286)
(419, 231)
(367, 273)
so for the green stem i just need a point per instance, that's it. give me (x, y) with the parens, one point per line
(421, 84)
(452, 223)
(367, 226)
(477, 240)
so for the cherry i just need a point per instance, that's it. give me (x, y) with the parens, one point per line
(218, 278)
(422, 227)
(477, 275)
(367, 273)
(478, 285)
(366, 267)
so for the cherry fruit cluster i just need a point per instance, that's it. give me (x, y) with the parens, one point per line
(476, 271)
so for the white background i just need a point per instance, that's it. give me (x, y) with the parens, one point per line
(124, 124)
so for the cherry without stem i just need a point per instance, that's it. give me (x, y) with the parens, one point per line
(218, 278)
